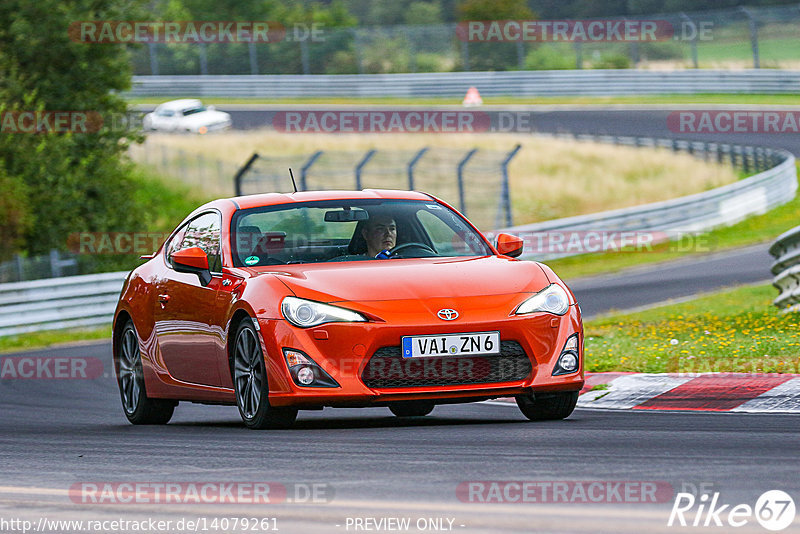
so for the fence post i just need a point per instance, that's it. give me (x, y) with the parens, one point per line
(359, 59)
(360, 166)
(237, 179)
(465, 55)
(506, 195)
(304, 56)
(304, 169)
(20, 267)
(201, 51)
(411, 165)
(151, 48)
(251, 49)
(55, 265)
(753, 36)
(693, 29)
(462, 202)
(579, 54)
(520, 54)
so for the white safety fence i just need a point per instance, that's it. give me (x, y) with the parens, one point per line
(455, 84)
(90, 300)
(53, 303)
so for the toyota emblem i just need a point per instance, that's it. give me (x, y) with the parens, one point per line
(447, 314)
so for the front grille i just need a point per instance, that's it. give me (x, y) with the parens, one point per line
(388, 369)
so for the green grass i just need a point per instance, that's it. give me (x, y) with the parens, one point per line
(758, 229)
(737, 99)
(779, 49)
(40, 340)
(732, 331)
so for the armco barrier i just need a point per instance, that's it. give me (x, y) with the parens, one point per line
(700, 212)
(53, 303)
(455, 84)
(786, 269)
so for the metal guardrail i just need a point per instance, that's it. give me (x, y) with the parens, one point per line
(786, 269)
(54, 303)
(700, 212)
(91, 299)
(455, 84)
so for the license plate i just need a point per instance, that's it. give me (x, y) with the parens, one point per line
(451, 344)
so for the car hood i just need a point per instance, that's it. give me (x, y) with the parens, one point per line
(412, 279)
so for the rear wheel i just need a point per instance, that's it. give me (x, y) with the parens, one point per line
(250, 383)
(548, 406)
(138, 408)
(412, 408)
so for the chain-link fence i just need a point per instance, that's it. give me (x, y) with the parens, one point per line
(731, 38)
(195, 169)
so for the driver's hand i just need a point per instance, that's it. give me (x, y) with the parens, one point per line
(383, 255)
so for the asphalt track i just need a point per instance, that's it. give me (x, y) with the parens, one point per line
(60, 433)
(56, 433)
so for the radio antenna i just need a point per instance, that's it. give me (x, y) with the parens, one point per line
(293, 182)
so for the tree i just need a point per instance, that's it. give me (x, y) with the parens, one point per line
(65, 182)
(493, 55)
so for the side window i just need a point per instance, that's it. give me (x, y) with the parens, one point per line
(165, 113)
(203, 232)
(174, 244)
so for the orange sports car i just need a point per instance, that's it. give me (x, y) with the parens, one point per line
(282, 302)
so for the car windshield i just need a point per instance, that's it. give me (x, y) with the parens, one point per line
(345, 230)
(192, 111)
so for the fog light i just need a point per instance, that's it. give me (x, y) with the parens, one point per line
(305, 375)
(568, 361)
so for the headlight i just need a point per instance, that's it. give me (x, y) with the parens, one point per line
(306, 313)
(552, 299)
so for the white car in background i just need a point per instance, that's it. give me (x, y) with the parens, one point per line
(187, 115)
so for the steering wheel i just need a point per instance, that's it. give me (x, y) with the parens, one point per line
(398, 248)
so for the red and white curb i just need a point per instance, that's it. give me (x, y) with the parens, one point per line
(716, 392)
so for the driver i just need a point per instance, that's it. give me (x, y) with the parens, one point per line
(380, 233)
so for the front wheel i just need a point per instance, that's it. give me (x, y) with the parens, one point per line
(250, 384)
(548, 406)
(412, 408)
(138, 408)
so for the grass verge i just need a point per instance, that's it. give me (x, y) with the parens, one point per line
(736, 330)
(753, 230)
(41, 340)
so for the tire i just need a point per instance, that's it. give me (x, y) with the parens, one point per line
(412, 408)
(548, 406)
(138, 407)
(250, 383)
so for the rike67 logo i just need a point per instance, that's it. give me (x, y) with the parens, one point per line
(774, 510)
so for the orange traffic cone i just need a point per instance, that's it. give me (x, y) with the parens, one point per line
(473, 98)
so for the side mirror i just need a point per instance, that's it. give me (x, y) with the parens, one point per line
(509, 245)
(211, 108)
(192, 260)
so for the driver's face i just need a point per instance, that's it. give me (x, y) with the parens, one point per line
(380, 234)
